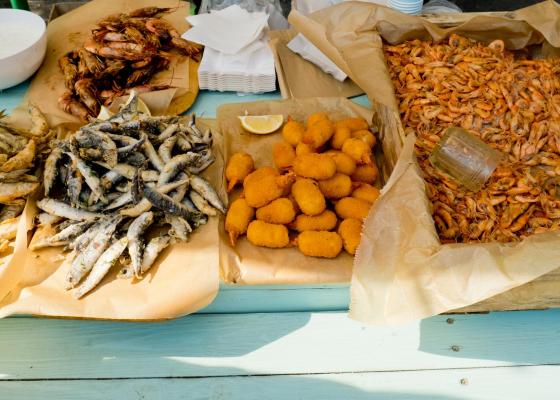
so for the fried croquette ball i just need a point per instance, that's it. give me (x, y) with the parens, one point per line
(308, 196)
(366, 192)
(238, 216)
(344, 163)
(351, 207)
(316, 117)
(318, 134)
(260, 173)
(341, 133)
(325, 221)
(355, 124)
(260, 192)
(365, 174)
(279, 211)
(358, 150)
(263, 234)
(304, 148)
(338, 186)
(239, 166)
(292, 132)
(366, 136)
(350, 230)
(314, 165)
(319, 244)
(283, 154)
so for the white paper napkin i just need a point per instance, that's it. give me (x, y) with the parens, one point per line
(300, 45)
(228, 30)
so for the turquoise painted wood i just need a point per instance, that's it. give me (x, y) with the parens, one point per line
(517, 383)
(271, 344)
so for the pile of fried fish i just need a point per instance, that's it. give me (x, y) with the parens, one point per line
(128, 183)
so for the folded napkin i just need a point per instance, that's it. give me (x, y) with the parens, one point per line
(228, 30)
(300, 45)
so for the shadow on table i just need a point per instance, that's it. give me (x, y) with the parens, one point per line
(525, 337)
(191, 336)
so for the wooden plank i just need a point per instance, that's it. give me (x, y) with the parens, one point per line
(284, 343)
(538, 382)
(279, 298)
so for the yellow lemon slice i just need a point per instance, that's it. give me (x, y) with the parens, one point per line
(142, 107)
(104, 114)
(261, 124)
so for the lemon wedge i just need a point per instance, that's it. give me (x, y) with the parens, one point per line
(142, 107)
(104, 114)
(261, 124)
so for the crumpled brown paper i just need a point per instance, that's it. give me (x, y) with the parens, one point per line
(184, 279)
(299, 78)
(402, 272)
(70, 30)
(251, 265)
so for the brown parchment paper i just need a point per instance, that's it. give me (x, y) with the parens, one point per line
(401, 271)
(251, 265)
(299, 78)
(184, 279)
(70, 30)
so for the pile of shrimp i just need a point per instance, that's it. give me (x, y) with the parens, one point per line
(123, 54)
(510, 102)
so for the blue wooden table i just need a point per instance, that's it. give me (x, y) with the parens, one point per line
(281, 342)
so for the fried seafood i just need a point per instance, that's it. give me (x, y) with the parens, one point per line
(508, 101)
(239, 166)
(325, 221)
(292, 132)
(112, 192)
(20, 154)
(350, 230)
(279, 211)
(308, 196)
(263, 234)
(336, 187)
(366, 192)
(358, 149)
(260, 192)
(325, 180)
(315, 166)
(123, 53)
(351, 207)
(319, 244)
(283, 154)
(238, 217)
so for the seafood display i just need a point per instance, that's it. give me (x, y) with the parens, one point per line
(123, 53)
(20, 151)
(317, 196)
(122, 190)
(506, 99)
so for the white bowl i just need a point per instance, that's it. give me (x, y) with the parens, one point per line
(23, 44)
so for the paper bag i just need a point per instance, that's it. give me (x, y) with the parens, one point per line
(184, 279)
(69, 32)
(299, 78)
(251, 265)
(402, 272)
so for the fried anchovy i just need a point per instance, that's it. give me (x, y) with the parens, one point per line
(202, 204)
(152, 155)
(203, 187)
(135, 240)
(50, 171)
(61, 209)
(90, 177)
(152, 250)
(176, 165)
(101, 267)
(85, 260)
(167, 204)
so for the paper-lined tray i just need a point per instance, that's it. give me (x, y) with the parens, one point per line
(402, 271)
(247, 264)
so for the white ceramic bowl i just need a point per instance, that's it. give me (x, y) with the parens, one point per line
(23, 44)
